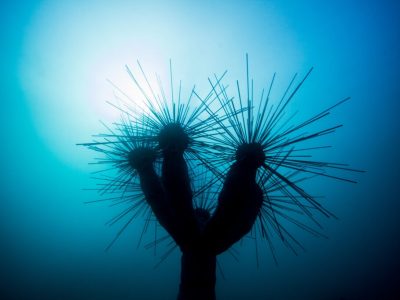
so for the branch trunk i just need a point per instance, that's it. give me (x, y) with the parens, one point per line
(197, 276)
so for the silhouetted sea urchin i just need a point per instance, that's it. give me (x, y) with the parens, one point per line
(258, 131)
(215, 171)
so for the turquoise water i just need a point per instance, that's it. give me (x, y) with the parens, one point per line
(56, 57)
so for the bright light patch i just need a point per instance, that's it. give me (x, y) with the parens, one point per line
(72, 48)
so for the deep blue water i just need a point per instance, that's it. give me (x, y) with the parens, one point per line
(55, 57)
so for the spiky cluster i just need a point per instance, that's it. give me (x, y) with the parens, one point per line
(210, 171)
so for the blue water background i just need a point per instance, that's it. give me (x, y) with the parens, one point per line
(55, 57)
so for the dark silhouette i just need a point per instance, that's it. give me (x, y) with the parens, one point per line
(253, 158)
(200, 237)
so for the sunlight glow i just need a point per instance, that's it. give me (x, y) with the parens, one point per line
(70, 55)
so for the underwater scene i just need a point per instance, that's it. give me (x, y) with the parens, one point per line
(200, 150)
